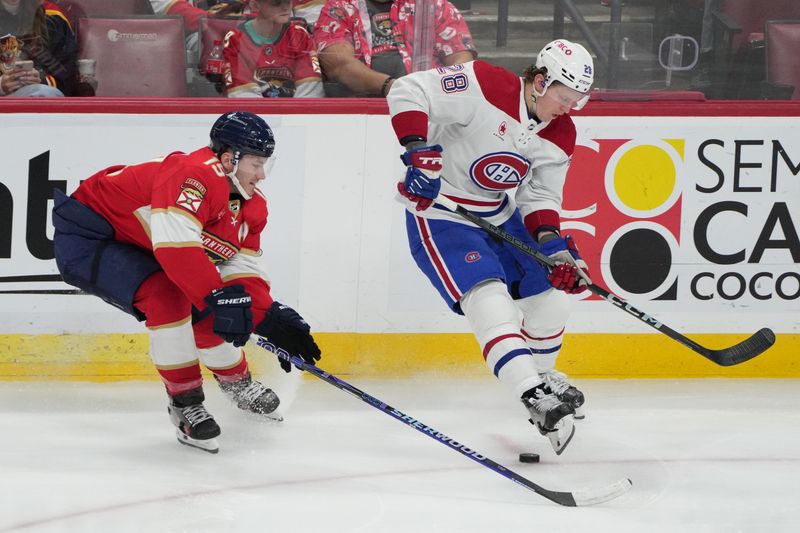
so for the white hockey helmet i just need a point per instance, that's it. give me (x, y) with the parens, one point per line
(570, 64)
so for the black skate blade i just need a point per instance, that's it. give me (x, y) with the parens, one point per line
(208, 445)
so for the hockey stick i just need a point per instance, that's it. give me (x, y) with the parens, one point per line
(579, 498)
(738, 353)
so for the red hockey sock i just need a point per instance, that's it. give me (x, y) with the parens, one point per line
(235, 373)
(178, 380)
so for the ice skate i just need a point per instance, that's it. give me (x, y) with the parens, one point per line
(551, 416)
(195, 426)
(564, 391)
(250, 395)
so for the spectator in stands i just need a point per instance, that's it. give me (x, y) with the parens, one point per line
(364, 52)
(191, 13)
(36, 31)
(272, 55)
(308, 10)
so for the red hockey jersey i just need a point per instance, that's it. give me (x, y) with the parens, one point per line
(272, 68)
(180, 208)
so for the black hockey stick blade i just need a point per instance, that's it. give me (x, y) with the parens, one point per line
(749, 348)
(579, 498)
(752, 346)
(739, 353)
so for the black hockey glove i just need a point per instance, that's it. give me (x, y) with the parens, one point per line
(284, 327)
(233, 318)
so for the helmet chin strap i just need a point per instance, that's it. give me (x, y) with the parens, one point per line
(235, 180)
(536, 94)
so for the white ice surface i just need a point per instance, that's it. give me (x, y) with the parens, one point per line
(704, 455)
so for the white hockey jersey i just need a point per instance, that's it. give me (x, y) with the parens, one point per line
(477, 112)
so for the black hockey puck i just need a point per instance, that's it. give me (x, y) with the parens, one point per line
(529, 458)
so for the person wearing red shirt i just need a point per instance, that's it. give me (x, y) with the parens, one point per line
(364, 45)
(175, 242)
(271, 55)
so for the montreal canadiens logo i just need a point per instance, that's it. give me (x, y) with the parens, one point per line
(499, 171)
(471, 257)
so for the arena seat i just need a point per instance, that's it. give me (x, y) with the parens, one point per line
(136, 56)
(739, 55)
(782, 39)
(211, 29)
(74, 9)
(738, 22)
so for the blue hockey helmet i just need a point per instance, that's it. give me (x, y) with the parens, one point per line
(244, 133)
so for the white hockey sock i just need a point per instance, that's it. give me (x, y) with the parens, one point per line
(496, 321)
(172, 345)
(544, 317)
(222, 357)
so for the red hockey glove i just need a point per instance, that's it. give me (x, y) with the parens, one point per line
(570, 273)
(422, 203)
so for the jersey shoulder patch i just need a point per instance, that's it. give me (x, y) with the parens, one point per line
(197, 181)
(189, 197)
(500, 87)
(561, 132)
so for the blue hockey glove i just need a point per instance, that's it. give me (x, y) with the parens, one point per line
(233, 318)
(284, 327)
(422, 184)
(570, 273)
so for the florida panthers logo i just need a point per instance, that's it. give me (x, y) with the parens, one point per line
(499, 171)
(9, 52)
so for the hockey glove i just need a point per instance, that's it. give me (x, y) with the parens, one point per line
(422, 184)
(284, 327)
(570, 273)
(233, 318)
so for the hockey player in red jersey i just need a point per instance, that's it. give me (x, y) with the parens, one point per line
(474, 133)
(174, 242)
(272, 55)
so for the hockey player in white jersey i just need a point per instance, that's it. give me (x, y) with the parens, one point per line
(473, 133)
